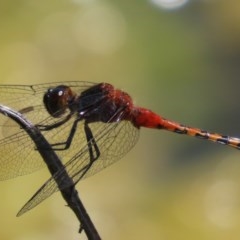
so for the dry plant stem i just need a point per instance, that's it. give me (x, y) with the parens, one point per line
(54, 164)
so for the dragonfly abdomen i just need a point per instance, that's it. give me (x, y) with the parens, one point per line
(205, 135)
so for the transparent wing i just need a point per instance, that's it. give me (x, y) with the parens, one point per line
(113, 139)
(19, 155)
(29, 100)
(18, 152)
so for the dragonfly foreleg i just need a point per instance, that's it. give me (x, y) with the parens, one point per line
(43, 127)
(65, 145)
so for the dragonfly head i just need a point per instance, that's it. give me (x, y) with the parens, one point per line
(58, 99)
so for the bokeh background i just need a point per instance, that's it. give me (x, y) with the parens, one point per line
(180, 58)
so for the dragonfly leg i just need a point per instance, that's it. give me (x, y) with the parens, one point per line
(80, 228)
(91, 143)
(60, 146)
(94, 154)
(42, 127)
(65, 145)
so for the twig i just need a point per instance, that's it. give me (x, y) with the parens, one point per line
(54, 164)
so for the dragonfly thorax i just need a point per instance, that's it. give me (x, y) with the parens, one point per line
(103, 103)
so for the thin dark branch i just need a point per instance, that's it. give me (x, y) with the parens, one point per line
(54, 164)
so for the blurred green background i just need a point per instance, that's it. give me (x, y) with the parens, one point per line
(179, 58)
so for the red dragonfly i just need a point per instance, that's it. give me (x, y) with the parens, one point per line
(89, 125)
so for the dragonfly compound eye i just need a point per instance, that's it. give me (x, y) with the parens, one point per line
(56, 100)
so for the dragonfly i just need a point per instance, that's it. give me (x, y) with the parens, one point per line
(89, 125)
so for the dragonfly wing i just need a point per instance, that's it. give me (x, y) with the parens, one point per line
(18, 152)
(28, 100)
(18, 156)
(114, 141)
(21, 96)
